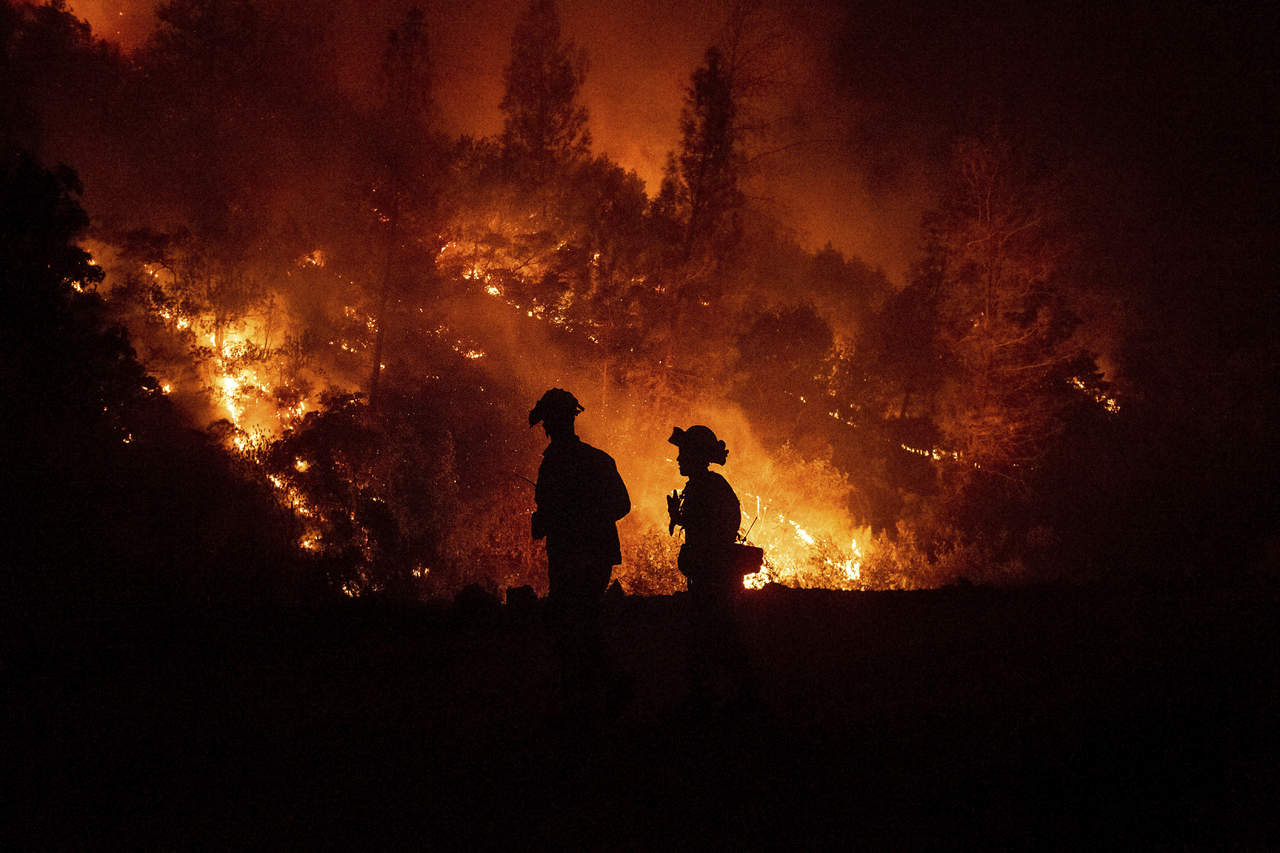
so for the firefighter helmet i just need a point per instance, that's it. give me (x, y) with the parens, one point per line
(700, 441)
(557, 401)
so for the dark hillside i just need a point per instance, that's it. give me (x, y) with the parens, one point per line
(1047, 718)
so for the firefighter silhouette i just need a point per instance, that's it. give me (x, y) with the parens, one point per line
(709, 512)
(580, 498)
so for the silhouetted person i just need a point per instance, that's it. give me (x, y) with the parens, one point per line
(709, 512)
(580, 498)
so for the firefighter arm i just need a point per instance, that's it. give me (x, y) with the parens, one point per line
(619, 499)
(622, 505)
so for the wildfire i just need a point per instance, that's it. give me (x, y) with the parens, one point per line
(1109, 403)
(793, 552)
(937, 454)
(232, 387)
(806, 534)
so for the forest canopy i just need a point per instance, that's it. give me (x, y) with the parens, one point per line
(314, 318)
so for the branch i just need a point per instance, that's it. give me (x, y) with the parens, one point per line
(788, 147)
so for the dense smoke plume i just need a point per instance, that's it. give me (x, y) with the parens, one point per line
(1140, 98)
(815, 163)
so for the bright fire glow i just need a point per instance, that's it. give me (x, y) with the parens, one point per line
(793, 553)
(1111, 404)
(800, 522)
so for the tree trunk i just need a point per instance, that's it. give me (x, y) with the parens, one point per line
(381, 317)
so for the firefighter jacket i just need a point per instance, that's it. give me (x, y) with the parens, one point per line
(709, 510)
(580, 498)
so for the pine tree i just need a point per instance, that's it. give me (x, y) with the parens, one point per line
(544, 124)
(701, 183)
(1005, 311)
(404, 128)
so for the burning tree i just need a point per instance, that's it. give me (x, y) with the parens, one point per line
(1006, 318)
(111, 498)
(976, 367)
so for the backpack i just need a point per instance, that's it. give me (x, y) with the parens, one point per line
(730, 562)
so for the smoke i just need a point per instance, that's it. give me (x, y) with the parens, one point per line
(128, 23)
(1160, 118)
(797, 509)
(819, 180)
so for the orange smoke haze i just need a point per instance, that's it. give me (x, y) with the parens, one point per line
(640, 56)
(126, 22)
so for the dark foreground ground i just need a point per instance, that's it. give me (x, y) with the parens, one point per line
(1042, 718)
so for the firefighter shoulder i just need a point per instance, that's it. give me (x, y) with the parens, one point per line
(580, 496)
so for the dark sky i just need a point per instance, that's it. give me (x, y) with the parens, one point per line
(1167, 110)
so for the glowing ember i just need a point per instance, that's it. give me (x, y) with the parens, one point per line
(801, 533)
(1111, 404)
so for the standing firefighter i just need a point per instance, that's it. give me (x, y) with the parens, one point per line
(709, 512)
(580, 498)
